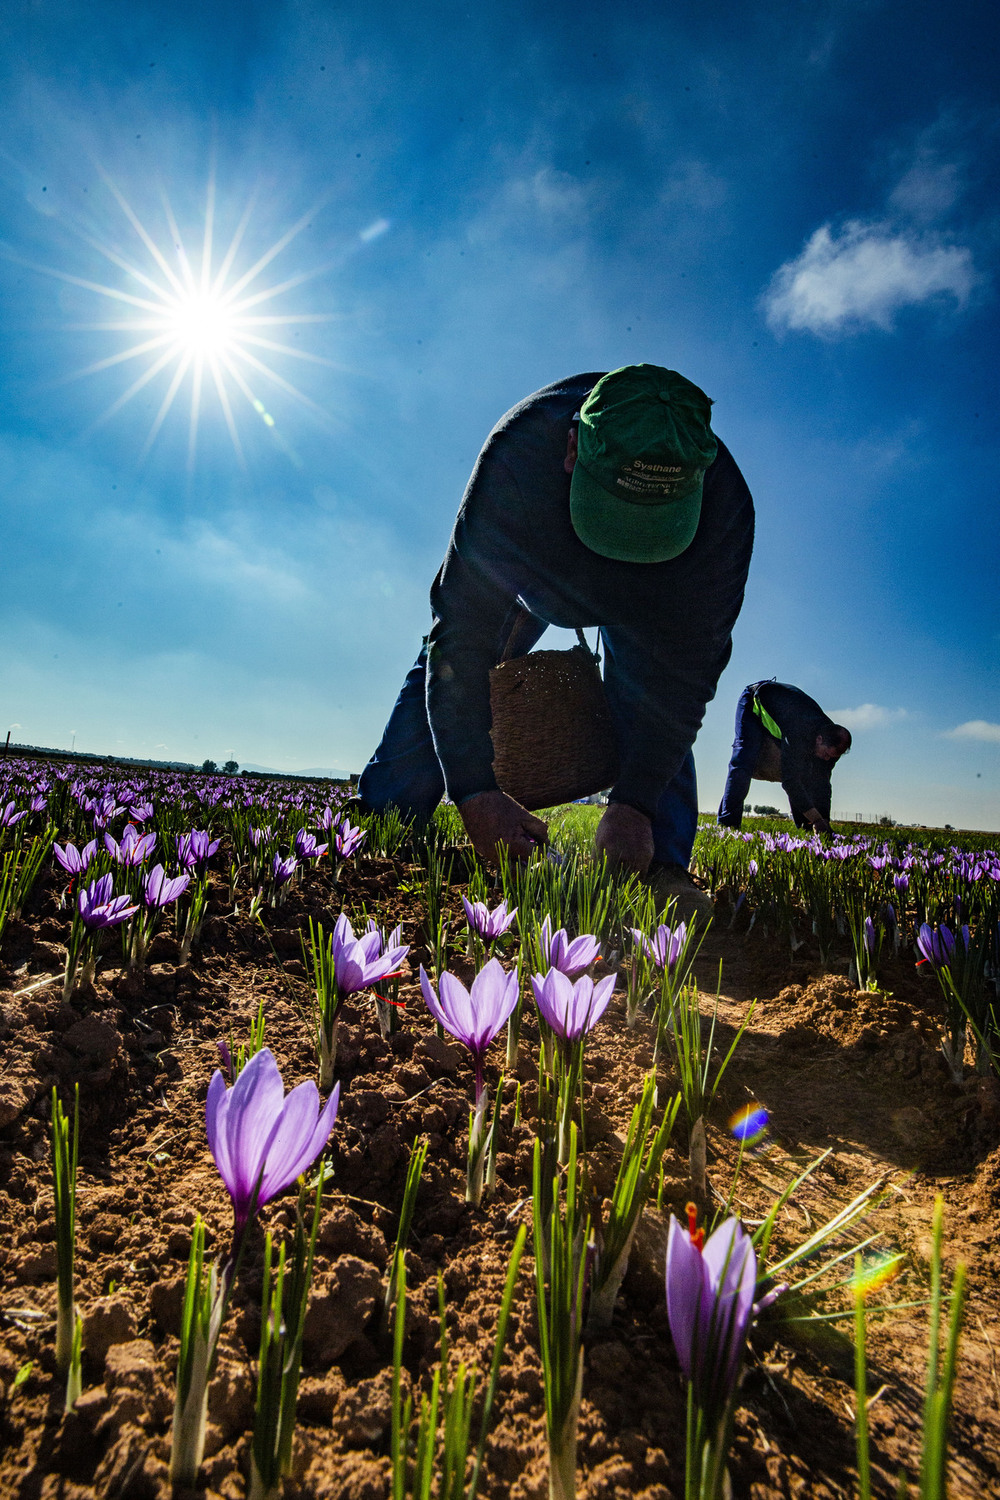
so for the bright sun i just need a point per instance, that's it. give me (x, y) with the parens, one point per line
(195, 322)
(203, 325)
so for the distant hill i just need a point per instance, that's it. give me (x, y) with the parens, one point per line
(323, 771)
(90, 755)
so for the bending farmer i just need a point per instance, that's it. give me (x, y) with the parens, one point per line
(783, 735)
(599, 500)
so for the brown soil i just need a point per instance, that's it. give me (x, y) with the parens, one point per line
(858, 1074)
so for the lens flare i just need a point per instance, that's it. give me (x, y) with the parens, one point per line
(749, 1124)
(876, 1272)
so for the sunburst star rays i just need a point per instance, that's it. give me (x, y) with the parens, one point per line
(198, 321)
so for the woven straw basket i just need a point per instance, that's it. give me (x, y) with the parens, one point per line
(553, 740)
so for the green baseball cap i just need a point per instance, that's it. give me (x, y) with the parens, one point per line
(643, 445)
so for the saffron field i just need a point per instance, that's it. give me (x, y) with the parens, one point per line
(334, 1163)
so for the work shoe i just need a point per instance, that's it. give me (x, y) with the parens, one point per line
(674, 883)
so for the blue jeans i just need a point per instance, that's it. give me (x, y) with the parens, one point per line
(749, 741)
(404, 772)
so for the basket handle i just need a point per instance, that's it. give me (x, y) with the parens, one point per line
(583, 642)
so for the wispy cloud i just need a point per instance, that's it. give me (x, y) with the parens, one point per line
(868, 716)
(860, 271)
(975, 729)
(863, 276)
(928, 189)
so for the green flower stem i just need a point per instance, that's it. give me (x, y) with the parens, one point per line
(65, 1151)
(205, 1302)
(283, 1315)
(326, 1005)
(478, 1142)
(940, 1376)
(861, 1387)
(640, 1166)
(560, 1288)
(418, 1156)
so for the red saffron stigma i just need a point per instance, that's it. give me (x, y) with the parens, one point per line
(400, 1004)
(697, 1235)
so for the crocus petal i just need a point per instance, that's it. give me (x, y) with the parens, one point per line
(456, 1004)
(580, 954)
(732, 1267)
(603, 990)
(432, 1002)
(69, 858)
(349, 969)
(554, 998)
(252, 1113)
(214, 1126)
(288, 1152)
(685, 1284)
(371, 944)
(493, 998)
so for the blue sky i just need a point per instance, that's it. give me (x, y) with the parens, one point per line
(786, 202)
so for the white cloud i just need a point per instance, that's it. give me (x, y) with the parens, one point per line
(863, 277)
(975, 729)
(868, 716)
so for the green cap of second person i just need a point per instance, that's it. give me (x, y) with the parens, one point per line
(643, 445)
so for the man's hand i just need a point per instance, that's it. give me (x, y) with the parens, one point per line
(625, 835)
(493, 818)
(816, 819)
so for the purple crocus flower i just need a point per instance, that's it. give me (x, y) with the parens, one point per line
(665, 948)
(938, 948)
(283, 869)
(261, 1140)
(99, 907)
(73, 861)
(385, 944)
(141, 811)
(38, 803)
(104, 812)
(8, 816)
(710, 1287)
(361, 962)
(489, 924)
(473, 1016)
(346, 840)
(195, 849)
(869, 934)
(306, 847)
(571, 958)
(571, 1009)
(160, 890)
(901, 882)
(134, 849)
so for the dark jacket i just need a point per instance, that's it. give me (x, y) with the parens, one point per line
(805, 779)
(667, 626)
